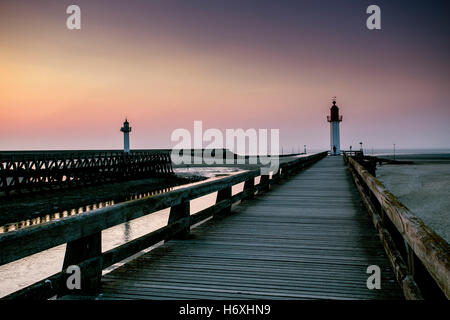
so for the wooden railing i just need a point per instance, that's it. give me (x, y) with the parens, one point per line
(82, 233)
(420, 257)
(353, 153)
(30, 172)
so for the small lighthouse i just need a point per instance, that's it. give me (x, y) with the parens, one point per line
(334, 119)
(126, 129)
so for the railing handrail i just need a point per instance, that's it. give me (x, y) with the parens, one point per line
(432, 250)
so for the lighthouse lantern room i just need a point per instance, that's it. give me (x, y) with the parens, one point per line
(334, 119)
(126, 129)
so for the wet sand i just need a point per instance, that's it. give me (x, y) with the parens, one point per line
(424, 187)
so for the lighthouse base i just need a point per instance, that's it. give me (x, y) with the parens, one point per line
(335, 145)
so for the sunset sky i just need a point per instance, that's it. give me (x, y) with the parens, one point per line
(232, 64)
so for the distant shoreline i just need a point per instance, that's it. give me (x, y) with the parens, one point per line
(421, 158)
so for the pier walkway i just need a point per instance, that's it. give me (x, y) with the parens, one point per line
(308, 238)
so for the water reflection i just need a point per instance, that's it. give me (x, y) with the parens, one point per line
(127, 232)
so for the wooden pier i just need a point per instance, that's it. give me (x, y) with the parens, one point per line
(31, 171)
(309, 238)
(307, 232)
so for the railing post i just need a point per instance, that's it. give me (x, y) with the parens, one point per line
(298, 167)
(249, 185)
(265, 182)
(276, 176)
(410, 259)
(78, 251)
(285, 172)
(383, 216)
(181, 211)
(224, 194)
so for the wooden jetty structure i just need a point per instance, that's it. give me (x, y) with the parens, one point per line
(308, 231)
(31, 171)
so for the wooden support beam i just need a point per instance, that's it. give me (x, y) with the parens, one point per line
(224, 194)
(264, 183)
(178, 212)
(78, 251)
(249, 185)
(276, 176)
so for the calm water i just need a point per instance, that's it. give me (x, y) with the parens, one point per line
(31, 269)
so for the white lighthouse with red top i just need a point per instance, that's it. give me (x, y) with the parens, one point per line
(334, 118)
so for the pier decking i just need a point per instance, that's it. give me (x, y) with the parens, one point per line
(308, 238)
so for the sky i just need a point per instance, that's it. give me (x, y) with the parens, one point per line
(231, 64)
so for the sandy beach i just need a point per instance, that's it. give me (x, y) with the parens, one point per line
(424, 187)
